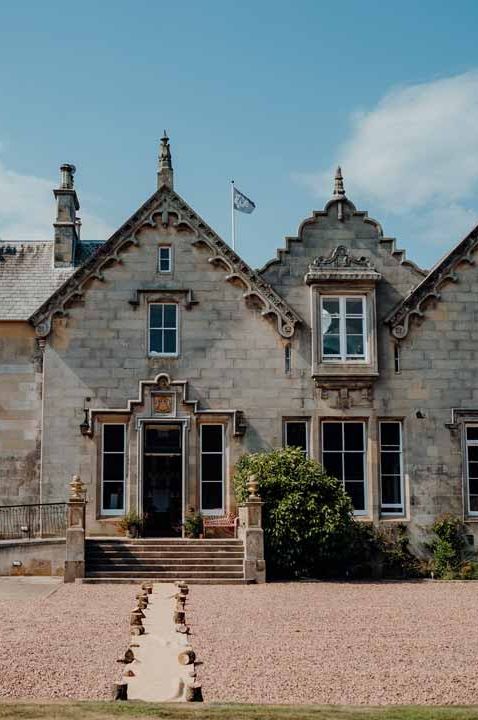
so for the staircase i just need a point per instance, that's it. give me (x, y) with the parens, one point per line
(121, 560)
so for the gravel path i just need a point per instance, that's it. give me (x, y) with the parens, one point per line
(65, 645)
(338, 643)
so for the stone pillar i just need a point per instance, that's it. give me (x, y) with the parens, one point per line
(251, 533)
(75, 532)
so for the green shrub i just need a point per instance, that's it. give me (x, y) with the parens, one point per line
(307, 518)
(448, 546)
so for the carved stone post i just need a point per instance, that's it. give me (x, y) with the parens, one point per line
(251, 533)
(75, 532)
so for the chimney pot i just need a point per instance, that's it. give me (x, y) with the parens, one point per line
(66, 176)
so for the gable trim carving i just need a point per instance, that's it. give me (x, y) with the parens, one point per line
(161, 384)
(341, 265)
(413, 306)
(165, 207)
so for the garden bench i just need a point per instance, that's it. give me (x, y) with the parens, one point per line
(229, 520)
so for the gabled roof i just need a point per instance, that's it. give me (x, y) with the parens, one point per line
(157, 209)
(429, 288)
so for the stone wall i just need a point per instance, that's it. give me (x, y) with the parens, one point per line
(20, 414)
(32, 557)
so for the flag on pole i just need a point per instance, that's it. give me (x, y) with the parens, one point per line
(242, 203)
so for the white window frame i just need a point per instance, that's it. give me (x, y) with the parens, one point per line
(469, 443)
(221, 510)
(169, 248)
(358, 513)
(304, 421)
(389, 509)
(116, 511)
(154, 353)
(343, 356)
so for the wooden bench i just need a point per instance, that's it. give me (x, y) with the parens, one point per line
(230, 520)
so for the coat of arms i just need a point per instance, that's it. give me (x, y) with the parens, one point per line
(162, 404)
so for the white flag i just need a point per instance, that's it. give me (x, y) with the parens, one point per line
(242, 203)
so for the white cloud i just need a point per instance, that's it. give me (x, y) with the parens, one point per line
(415, 155)
(27, 209)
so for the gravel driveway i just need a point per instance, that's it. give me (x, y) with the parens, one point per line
(66, 644)
(360, 643)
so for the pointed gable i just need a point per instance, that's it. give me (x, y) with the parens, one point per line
(164, 206)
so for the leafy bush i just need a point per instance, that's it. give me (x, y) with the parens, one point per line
(307, 519)
(448, 546)
(193, 524)
(131, 523)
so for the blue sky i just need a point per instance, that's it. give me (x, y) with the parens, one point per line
(272, 94)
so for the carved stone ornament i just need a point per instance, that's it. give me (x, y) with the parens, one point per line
(152, 214)
(341, 265)
(162, 404)
(77, 488)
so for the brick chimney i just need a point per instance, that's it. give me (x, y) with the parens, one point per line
(66, 223)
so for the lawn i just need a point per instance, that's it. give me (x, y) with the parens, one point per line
(147, 711)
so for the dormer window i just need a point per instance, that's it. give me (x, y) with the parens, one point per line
(343, 309)
(343, 328)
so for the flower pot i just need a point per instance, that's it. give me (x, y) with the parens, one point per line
(132, 531)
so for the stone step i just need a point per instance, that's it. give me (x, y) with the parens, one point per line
(156, 562)
(136, 580)
(168, 574)
(94, 554)
(172, 569)
(165, 541)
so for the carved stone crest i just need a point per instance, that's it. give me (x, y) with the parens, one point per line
(341, 258)
(341, 265)
(162, 404)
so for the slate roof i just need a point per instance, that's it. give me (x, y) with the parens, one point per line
(28, 278)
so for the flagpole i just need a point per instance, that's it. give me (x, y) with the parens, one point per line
(233, 217)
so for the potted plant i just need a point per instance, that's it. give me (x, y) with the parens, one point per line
(131, 524)
(193, 524)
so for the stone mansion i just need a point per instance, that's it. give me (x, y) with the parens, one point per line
(148, 364)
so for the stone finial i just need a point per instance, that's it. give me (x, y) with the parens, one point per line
(77, 488)
(339, 190)
(165, 167)
(252, 487)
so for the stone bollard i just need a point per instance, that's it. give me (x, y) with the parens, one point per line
(193, 692)
(120, 691)
(186, 656)
(75, 532)
(179, 617)
(147, 587)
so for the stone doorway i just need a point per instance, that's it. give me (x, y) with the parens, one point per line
(163, 480)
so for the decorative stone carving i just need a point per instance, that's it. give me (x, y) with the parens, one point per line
(341, 265)
(77, 488)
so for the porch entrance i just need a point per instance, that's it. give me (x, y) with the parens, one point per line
(163, 480)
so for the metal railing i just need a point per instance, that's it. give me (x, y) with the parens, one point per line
(47, 520)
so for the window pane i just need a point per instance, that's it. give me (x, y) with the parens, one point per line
(113, 438)
(390, 434)
(353, 466)
(331, 326)
(331, 345)
(333, 464)
(156, 341)
(353, 306)
(391, 490)
(332, 436)
(169, 341)
(211, 467)
(162, 439)
(212, 495)
(113, 466)
(473, 483)
(473, 452)
(472, 432)
(473, 469)
(355, 345)
(354, 326)
(474, 503)
(113, 496)
(170, 316)
(156, 316)
(353, 434)
(357, 494)
(331, 306)
(164, 259)
(211, 438)
(390, 463)
(296, 434)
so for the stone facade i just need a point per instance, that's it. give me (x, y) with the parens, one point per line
(248, 356)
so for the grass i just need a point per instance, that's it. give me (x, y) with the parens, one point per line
(64, 710)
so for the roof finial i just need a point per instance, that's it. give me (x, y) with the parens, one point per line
(165, 169)
(339, 190)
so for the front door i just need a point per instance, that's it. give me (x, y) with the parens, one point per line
(163, 480)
